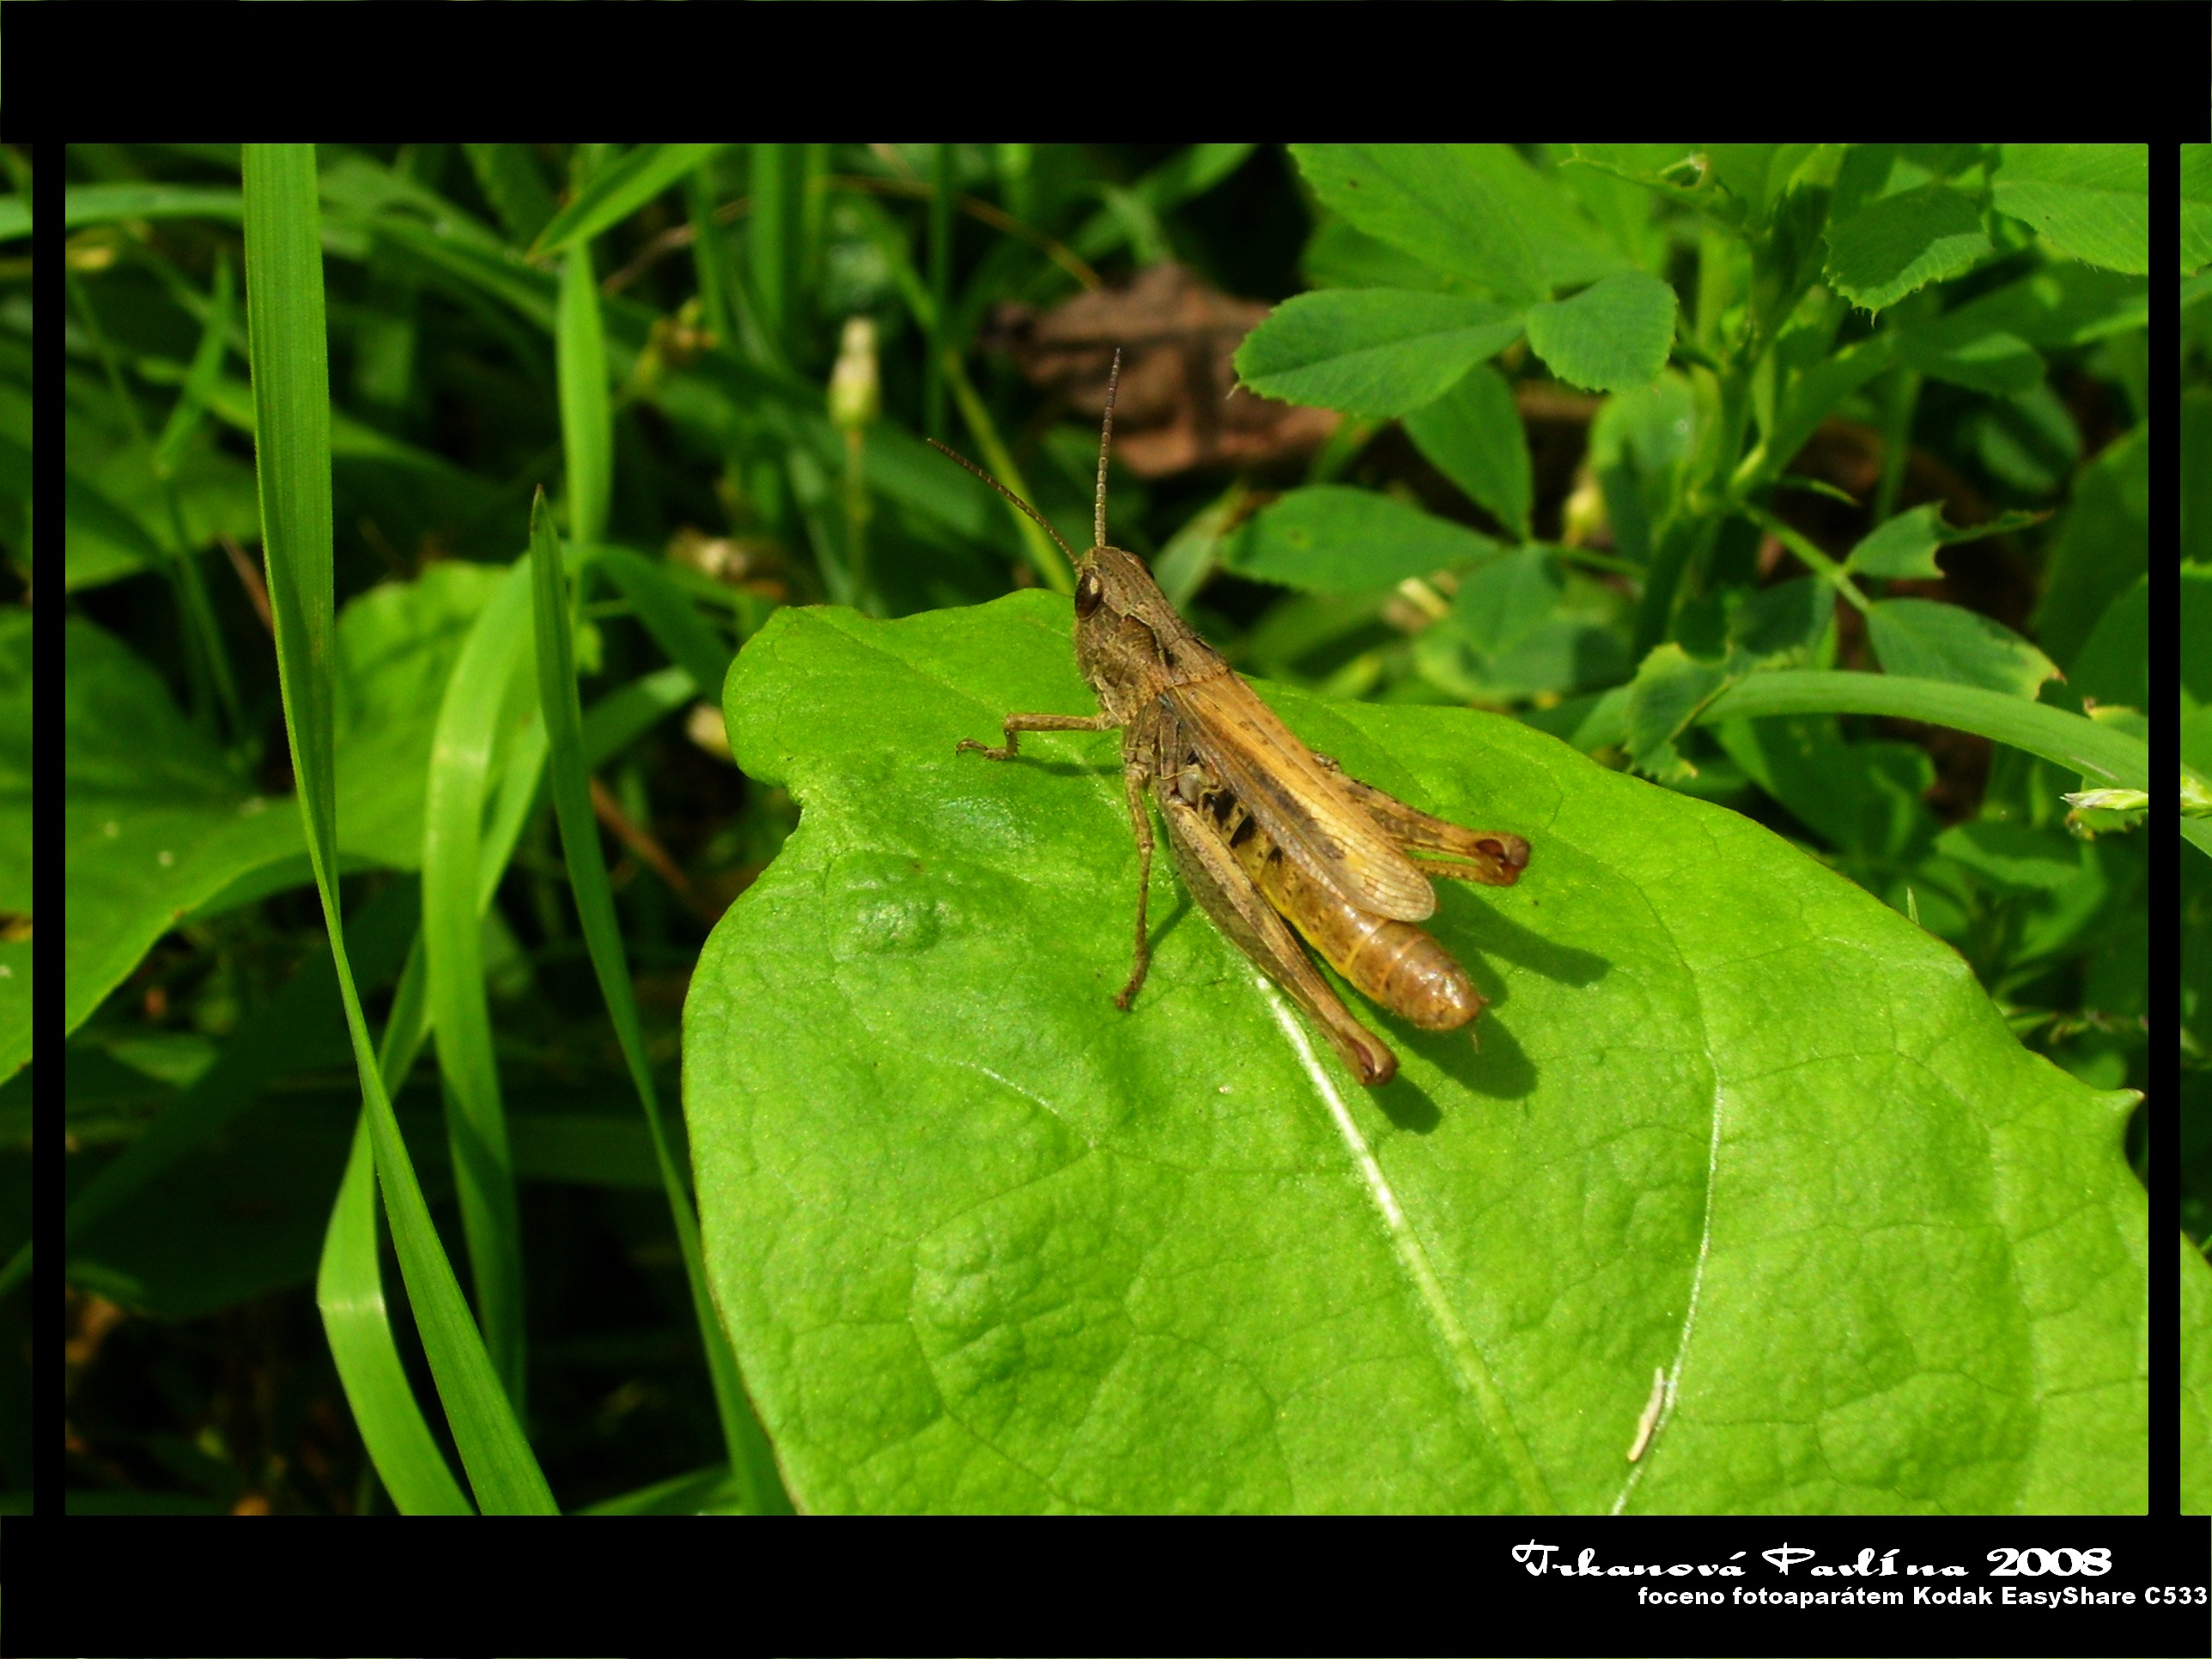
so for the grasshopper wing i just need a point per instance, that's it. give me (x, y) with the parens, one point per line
(1225, 893)
(1299, 802)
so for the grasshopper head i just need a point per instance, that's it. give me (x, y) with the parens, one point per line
(1127, 636)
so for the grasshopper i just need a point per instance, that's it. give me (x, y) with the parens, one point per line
(1262, 828)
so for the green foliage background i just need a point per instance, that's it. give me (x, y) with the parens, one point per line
(1807, 1073)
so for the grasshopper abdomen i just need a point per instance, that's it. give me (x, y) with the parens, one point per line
(1391, 963)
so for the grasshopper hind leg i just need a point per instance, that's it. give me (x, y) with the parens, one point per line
(1134, 774)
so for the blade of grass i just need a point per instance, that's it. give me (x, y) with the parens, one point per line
(484, 696)
(587, 422)
(2064, 739)
(291, 388)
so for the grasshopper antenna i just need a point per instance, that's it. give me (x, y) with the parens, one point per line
(954, 455)
(1105, 435)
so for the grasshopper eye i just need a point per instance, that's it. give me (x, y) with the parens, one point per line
(1088, 592)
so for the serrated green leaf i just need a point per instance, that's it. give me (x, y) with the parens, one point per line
(1371, 351)
(1473, 434)
(984, 1243)
(1613, 336)
(2090, 201)
(1899, 244)
(1331, 538)
(1462, 208)
(1902, 545)
(1923, 639)
(1339, 255)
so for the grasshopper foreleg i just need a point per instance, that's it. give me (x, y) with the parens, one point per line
(1018, 723)
(1135, 773)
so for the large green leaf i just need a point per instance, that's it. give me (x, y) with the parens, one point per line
(2196, 1333)
(982, 1241)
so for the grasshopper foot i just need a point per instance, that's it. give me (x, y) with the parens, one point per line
(1128, 993)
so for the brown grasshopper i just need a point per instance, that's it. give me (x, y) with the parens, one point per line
(1261, 827)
